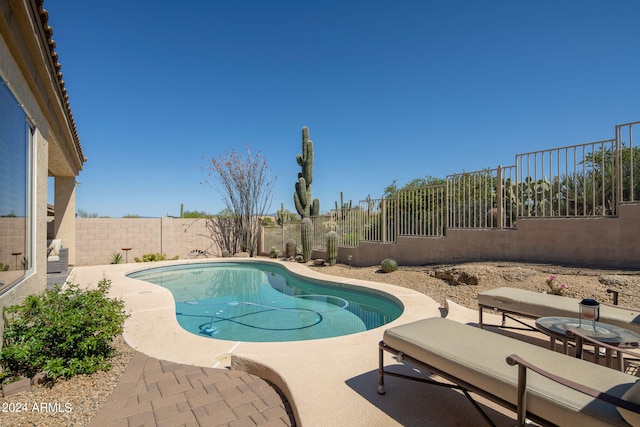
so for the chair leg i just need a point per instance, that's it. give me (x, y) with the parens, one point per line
(381, 389)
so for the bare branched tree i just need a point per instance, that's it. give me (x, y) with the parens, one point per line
(222, 232)
(246, 186)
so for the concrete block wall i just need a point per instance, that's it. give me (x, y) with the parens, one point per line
(599, 241)
(12, 240)
(97, 239)
(610, 242)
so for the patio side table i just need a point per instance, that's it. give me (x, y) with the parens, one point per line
(16, 254)
(557, 327)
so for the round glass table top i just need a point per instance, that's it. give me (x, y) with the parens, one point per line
(603, 332)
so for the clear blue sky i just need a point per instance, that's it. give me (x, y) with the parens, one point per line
(390, 90)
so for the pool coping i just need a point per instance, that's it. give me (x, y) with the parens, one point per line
(321, 378)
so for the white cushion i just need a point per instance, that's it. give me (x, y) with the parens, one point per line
(55, 246)
(631, 395)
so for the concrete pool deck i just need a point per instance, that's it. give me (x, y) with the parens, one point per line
(329, 381)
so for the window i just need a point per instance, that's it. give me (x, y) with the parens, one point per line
(15, 194)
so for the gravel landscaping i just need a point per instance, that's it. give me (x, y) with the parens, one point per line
(75, 402)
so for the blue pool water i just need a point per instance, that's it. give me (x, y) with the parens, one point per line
(264, 302)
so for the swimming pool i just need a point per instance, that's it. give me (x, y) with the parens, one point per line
(264, 302)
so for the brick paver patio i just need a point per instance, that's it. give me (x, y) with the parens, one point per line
(154, 392)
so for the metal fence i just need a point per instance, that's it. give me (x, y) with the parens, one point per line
(578, 180)
(482, 199)
(628, 182)
(583, 180)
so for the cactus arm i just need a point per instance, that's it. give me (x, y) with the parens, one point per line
(309, 164)
(300, 198)
(315, 207)
(299, 208)
(301, 191)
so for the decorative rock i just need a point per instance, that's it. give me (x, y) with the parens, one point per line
(457, 277)
(16, 387)
(39, 378)
(620, 282)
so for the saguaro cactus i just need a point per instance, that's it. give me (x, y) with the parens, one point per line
(306, 230)
(302, 197)
(290, 248)
(332, 247)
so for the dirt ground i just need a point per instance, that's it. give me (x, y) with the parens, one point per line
(87, 394)
(462, 282)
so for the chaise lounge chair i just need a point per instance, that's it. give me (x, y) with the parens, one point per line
(547, 387)
(511, 301)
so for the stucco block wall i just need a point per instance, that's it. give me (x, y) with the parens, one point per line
(97, 239)
(12, 233)
(34, 280)
(607, 242)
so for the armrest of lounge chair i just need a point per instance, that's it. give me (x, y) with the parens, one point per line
(523, 365)
(615, 297)
(581, 338)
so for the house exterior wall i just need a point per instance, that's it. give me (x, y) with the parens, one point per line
(28, 68)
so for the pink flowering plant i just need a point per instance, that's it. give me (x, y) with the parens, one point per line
(555, 288)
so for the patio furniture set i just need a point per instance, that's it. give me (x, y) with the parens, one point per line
(547, 387)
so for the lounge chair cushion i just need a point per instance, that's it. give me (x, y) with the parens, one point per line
(536, 304)
(55, 246)
(632, 395)
(479, 358)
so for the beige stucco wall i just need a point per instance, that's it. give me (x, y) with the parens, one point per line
(97, 239)
(609, 242)
(65, 215)
(30, 71)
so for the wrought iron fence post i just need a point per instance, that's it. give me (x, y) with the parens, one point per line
(383, 219)
(499, 198)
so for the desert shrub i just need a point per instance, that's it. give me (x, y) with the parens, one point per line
(274, 252)
(154, 257)
(351, 239)
(389, 265)
(62, 332)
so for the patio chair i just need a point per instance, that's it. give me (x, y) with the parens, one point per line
(620, 361)
(547, 387)
(520, 302)
(57, 257)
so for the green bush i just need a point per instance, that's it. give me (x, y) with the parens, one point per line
(63, 333)
(274, 252)
(351, 239)
(116, 258)
(155, 257)
(389, 265)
